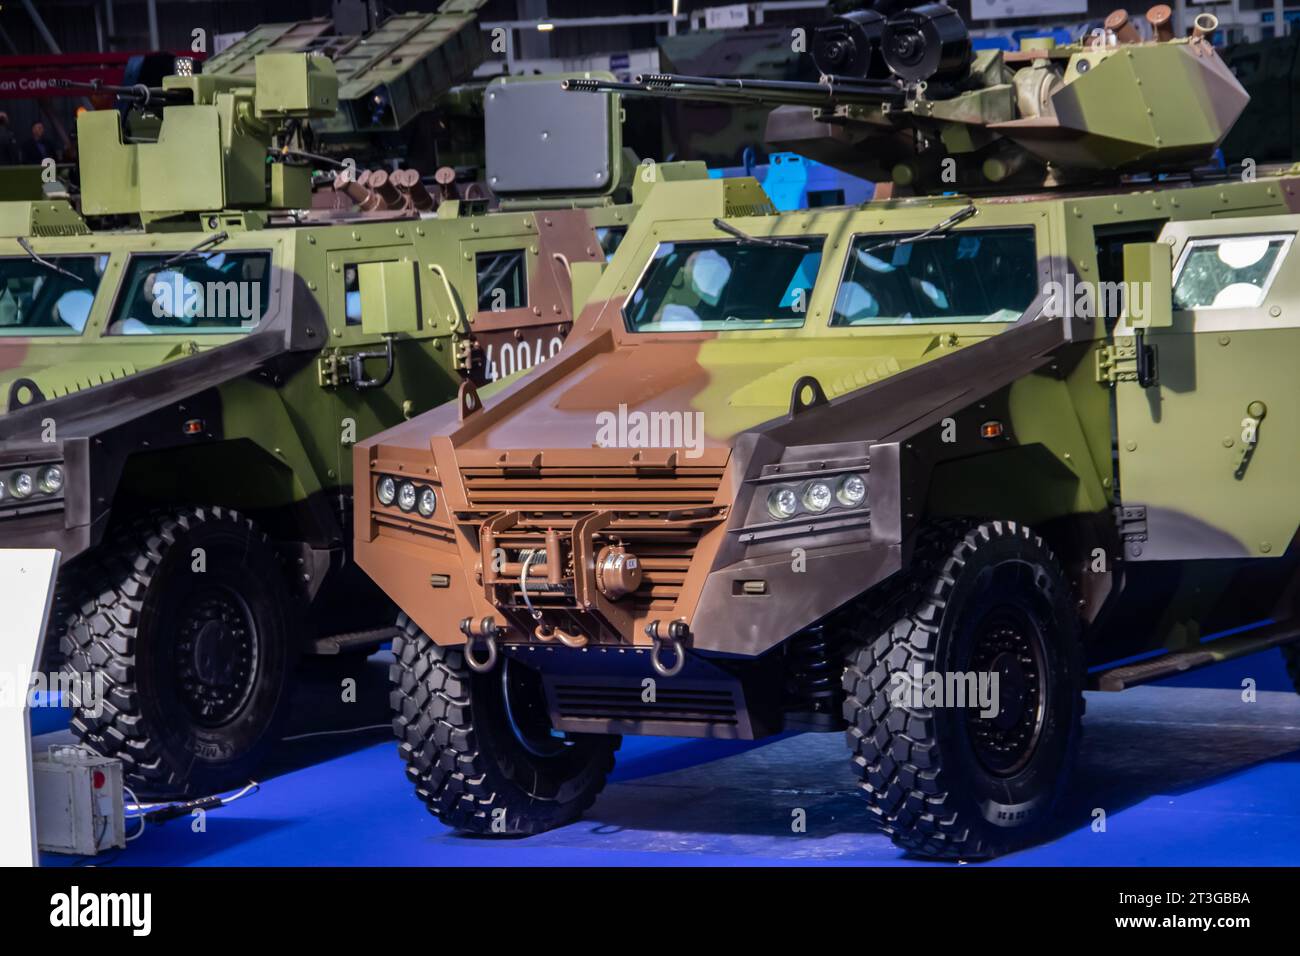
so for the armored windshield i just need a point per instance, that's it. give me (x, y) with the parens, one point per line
(218, 293)
(972, 275)
(36, 300)
(727, 286)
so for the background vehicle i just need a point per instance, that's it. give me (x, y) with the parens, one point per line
(803, 471)
(180, 394)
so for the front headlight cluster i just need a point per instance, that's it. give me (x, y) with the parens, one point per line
(816, 496)
(31, 484)
(407, 495)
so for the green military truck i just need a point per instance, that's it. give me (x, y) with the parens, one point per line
(180, 395)
(919, 471)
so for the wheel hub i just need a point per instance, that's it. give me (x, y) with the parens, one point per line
(1008, 646)
(214, 650)
(216, 657)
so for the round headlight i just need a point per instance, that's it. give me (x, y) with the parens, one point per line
(4, 489)
(817, 496)
(51, 479)
(852, 490)
(428, 501)
(386, 490)
(21, 484)
(782, 503)
(406, 496)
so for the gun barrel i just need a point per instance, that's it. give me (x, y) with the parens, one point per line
(139, 94)
(828, 92)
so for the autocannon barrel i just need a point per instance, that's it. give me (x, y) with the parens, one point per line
(828, 92)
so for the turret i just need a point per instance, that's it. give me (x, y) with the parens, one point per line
(390, 73)
(903, 97)
(214, 142)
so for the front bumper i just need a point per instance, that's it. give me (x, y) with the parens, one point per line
(586, 548)
(519, 541)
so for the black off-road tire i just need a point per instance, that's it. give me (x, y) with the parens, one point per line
(469, 767)
(196, 665)
(69, 594)
(939, 781)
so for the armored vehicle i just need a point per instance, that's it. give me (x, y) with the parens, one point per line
(180, 394)
(920, 470)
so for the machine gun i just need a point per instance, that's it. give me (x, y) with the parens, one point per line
(138, 96)
(904, 98)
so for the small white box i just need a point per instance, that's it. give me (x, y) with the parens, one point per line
(79, 807)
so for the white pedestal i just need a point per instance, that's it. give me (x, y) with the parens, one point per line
(26, 586)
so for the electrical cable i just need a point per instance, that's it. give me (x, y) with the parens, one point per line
(333, 733)
(135, 803)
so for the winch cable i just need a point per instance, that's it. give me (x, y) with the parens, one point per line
(523, 585)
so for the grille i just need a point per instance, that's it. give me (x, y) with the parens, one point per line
(644, 504)
(591, 701)
(570, 492)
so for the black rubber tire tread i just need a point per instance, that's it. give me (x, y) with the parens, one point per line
(101, 636)
(894, 748)
(456, 775)
(69, 594)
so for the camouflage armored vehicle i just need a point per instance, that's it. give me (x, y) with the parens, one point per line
(179, 397)
(916, 470)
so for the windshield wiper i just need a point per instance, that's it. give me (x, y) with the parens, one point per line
(39, 260)
(960, 216)
(758, 240)
(198, 250)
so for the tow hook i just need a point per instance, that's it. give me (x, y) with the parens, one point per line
(487, 632)
(677, 634)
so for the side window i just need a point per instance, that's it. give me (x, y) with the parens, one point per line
(1228, 273)
(967, 276)
(502, 280)
(38, 300)
(213, 294)
(351, 294)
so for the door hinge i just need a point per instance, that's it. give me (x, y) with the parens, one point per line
(1116, 363)
(1134, 361)
(1132, 523)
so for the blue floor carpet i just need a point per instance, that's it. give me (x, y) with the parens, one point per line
(1183, 775)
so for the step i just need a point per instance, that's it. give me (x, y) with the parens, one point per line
(1179, 662)
(352, 641)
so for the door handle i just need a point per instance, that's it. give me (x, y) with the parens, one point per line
(1255, 413)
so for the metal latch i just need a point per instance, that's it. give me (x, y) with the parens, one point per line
(464, 351)
(331, 369)
(336, 367)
